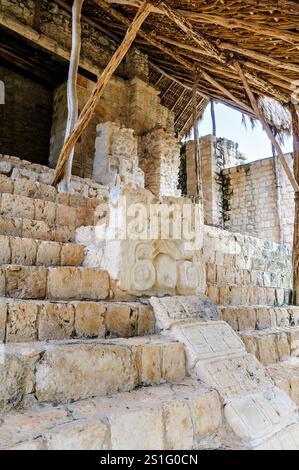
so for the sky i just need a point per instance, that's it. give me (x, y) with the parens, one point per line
(254, 143)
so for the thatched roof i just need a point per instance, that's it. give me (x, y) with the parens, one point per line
(262, 35)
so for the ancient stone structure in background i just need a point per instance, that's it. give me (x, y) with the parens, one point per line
(132, 317)
(243, 198)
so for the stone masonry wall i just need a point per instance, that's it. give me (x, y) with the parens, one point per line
(244, 270)
(27, 112)
(129, 103)
(254, 205)
(56, 25)
(215, 154)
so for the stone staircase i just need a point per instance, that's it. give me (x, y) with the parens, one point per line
(79, 370)
(272, 335)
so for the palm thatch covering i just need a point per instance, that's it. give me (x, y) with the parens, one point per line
(262, 35)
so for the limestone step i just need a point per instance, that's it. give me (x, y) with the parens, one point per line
(36, 190)
(31, 320)
(272, 345)
(16, 206)
(238, 295)
(16, 168)
(286, 376)
(185, 416)
(64, 371)
(242, 318)
(36, 229)
(29, 252)
(54, 283)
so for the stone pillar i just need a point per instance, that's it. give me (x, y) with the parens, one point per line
(216, 154)
(212, 191)
(116, 155)
(160, 162)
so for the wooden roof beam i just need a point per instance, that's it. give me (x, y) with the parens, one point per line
(289, 6)
(230, 23)
(267, 128)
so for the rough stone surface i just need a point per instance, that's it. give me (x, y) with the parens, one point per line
(160, 417)
(55, 322)
(21, 322)
(90, 319)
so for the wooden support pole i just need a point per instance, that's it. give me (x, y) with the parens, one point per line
(98, 90)
(213, 118)
(196, 138)
(72, 94)
(37, 15)
(295, 127)
(267, 128)
(226, 92)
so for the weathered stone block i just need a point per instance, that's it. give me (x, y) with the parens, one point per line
(5, 169)
(55, 321)
(63, 233)
(36, 229)
(2, 282)
(173, 362)
(268, 353)
(79, 435)
(48, 253)
(25, 187)
(11, 227)
(66, 215)
(26, 282)
(81, 371)
(76, 200)
(21, 322)
(95, 284)
(3, 319)
(146, 320)
(206, 413)
(6, 184)
(148, 360)
(17, 206)
(234, 375)
(121, 320)
(178, 426)
(140, 429)
(72, 254)
(64, 283)
(89, 319)
(174, 309)
(5, 253)
(46, 211)
(23, 251)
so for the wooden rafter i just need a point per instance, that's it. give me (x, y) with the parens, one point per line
(267, 128)
(295, 128)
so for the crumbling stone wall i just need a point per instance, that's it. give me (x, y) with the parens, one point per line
(56, 24)
(27, 112)
(252, 201)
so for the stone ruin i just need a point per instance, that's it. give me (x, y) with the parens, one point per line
(120, 333)
(102, 331)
